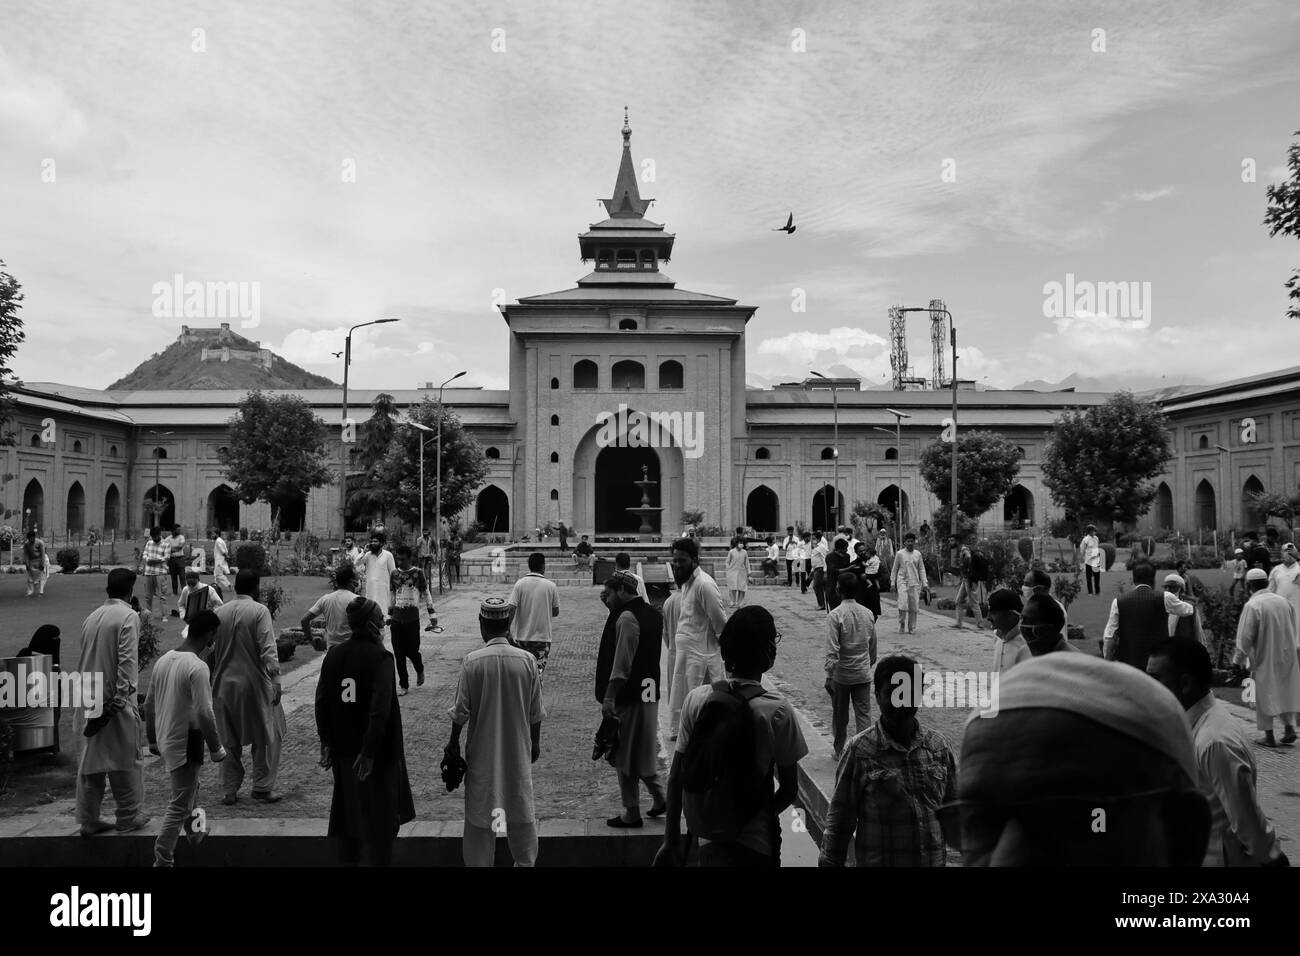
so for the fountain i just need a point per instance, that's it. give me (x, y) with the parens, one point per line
(646, 509)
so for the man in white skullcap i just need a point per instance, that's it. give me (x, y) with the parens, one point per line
(499, 703)
(1183, 619)
(1266, 636)
(1240, 834)
(1087, 763)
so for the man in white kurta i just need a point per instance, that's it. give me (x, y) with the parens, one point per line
(700, 621)
(221, 564)
(908, 579)
(110, 645)
(246, 692)
(1093, 559)
(499, 704)
(1266, 636)
(672, 612)
(377, 571)
(1284, 579)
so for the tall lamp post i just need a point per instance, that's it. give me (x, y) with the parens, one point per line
(834, 508)
(952, 336)
(898, 450)
(423, 442)
(343, 446)
(1222, 487)
(437, 501)
(155, 507)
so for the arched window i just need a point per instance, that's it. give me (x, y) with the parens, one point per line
(891, 454)
(828, 454)
(160, 453)
(1203, 441)
(1020, 448)
(627, 259)
(555, 419)
(627, 374)
(493, 452)
(555, 494)
(36, 441)
(555, 383)
(647, 258)
(670, 374)
(586, 374)
(555, 458)
(605, 259)
(112, 451)
(76, 447)
(223, 450)
(762, 455)
(627, 325)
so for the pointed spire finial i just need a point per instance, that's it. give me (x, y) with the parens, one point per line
(627, 130)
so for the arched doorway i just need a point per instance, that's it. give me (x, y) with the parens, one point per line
(616, 471)
(34, 506)
(76, 507)
(827, 508)
(112, 508)
(1164, 506)
(761, 510)
(492, 511)
(1206, 511)
(150, 516)
(1018, 507)
(292, 515)
(223, 509)
(888, 499)
(1250, 516)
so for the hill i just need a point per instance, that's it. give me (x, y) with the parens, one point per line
(217, 358)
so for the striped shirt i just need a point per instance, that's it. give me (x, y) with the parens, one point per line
(152, 551)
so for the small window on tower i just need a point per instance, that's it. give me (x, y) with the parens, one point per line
(555, 458)
(762, 454)
(493, 453)
(555, 419)
(555, 494)
(76, 447)
(627, 259)
(555, 383)
(647, 259)
(605, 259)
(627, 325)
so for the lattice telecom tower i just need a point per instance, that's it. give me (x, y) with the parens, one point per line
(937, 343)
(903, 377)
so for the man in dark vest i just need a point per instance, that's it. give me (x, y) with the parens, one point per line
(627, 688)
(836, 562)
(1138, 620)
(1257, 556)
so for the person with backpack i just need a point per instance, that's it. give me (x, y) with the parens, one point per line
(891, 782)
(627, 687)
(735, 735)
(973, 593)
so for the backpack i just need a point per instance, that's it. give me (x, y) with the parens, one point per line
(723, 784)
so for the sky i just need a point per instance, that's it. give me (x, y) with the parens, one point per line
(357, 160)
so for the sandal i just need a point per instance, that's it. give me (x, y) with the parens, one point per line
(619, 823)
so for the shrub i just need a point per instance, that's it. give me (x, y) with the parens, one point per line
(274, 597)
(1109, 550)
(1219, 616)
(1064, 566)
(1026, 548)
(68, 559)
(1066, 528)
(251, 556)
(149, 633)
(711, 531)
(1066, 589)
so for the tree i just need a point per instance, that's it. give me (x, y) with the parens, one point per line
(365, 496)
(11, 336)
(987, 465)
(1283, 216)
(1277, 505)
(1099, 463)
(276, 452)
(464, 466)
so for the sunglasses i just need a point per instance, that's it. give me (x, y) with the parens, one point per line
(975, 826)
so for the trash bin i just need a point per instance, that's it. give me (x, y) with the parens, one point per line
(34, 728)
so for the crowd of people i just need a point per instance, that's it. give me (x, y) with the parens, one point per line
(1135, 735)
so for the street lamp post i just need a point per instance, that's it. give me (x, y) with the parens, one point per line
(343, 445)
(898, 450)
(952, 335)
(834, 509)
(423, 442)
(1222, 487)
(155, 507)
(437, 502)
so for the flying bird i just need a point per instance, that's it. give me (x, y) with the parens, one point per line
(336, 354)
(789, 226)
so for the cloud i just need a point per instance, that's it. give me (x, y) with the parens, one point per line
(1151, 195)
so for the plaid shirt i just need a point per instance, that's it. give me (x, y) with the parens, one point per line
(153, 551)
(889, 793)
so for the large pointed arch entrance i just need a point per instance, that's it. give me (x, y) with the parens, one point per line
(889, 500)
(606, 465)
(223, 509)
(827, 508)
(761, 512)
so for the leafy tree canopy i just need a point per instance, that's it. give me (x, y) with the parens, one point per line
(276, 451)
(464, 465)
(987, 465)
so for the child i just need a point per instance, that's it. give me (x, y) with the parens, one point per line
(179, 721)
(1238, 567)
